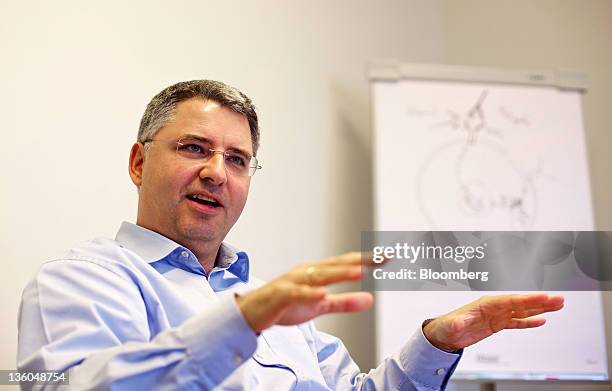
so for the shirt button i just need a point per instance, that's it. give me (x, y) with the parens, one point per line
(237, 359)
(440, 371)
(184, 254)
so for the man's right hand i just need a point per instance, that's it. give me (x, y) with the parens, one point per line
(300, 294)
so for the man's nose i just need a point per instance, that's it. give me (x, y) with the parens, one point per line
(213, 170)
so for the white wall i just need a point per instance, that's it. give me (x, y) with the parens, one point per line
(77, 75)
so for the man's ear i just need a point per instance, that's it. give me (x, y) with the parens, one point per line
(137, 155)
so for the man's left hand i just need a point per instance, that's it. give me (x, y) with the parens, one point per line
(486, 316)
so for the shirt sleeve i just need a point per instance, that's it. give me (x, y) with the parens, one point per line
(81, 317)
(418, 365)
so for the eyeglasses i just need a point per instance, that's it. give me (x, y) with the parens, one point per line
(236, 162)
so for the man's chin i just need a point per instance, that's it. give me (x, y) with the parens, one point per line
(196, 232)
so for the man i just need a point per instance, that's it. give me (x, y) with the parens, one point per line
(169, 305)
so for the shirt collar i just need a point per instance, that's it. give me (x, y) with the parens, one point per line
(149, 245)
(158, 249)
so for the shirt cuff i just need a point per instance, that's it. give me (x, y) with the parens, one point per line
(219, 339)
(426, 364)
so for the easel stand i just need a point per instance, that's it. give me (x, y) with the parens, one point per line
(487, 386)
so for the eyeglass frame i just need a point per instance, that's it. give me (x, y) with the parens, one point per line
(253, 162)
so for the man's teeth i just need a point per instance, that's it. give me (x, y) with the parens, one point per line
(203, 198)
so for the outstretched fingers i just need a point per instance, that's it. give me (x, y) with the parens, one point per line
(525, 323)
(535, 301)
(350, 258)
(532, 312)
(346, 302)
(525, 302)
(321, 275)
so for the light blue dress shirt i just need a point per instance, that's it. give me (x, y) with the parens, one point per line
(140, 313)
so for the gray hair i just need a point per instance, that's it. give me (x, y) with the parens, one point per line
(162, 107)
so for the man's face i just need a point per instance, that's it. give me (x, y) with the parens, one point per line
(168, 183)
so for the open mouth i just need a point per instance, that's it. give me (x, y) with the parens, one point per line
(203, 200)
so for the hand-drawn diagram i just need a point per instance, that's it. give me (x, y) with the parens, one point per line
(488, 182)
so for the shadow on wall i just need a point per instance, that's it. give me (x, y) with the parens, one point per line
(350, 209)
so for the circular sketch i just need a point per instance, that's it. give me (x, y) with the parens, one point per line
(489, 189)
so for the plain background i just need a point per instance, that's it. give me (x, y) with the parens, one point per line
(76, 77)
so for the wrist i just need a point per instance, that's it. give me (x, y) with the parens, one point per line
(241, 301)
(430, 331)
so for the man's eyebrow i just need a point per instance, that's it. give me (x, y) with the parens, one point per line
(207, 141)
(196, 137)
